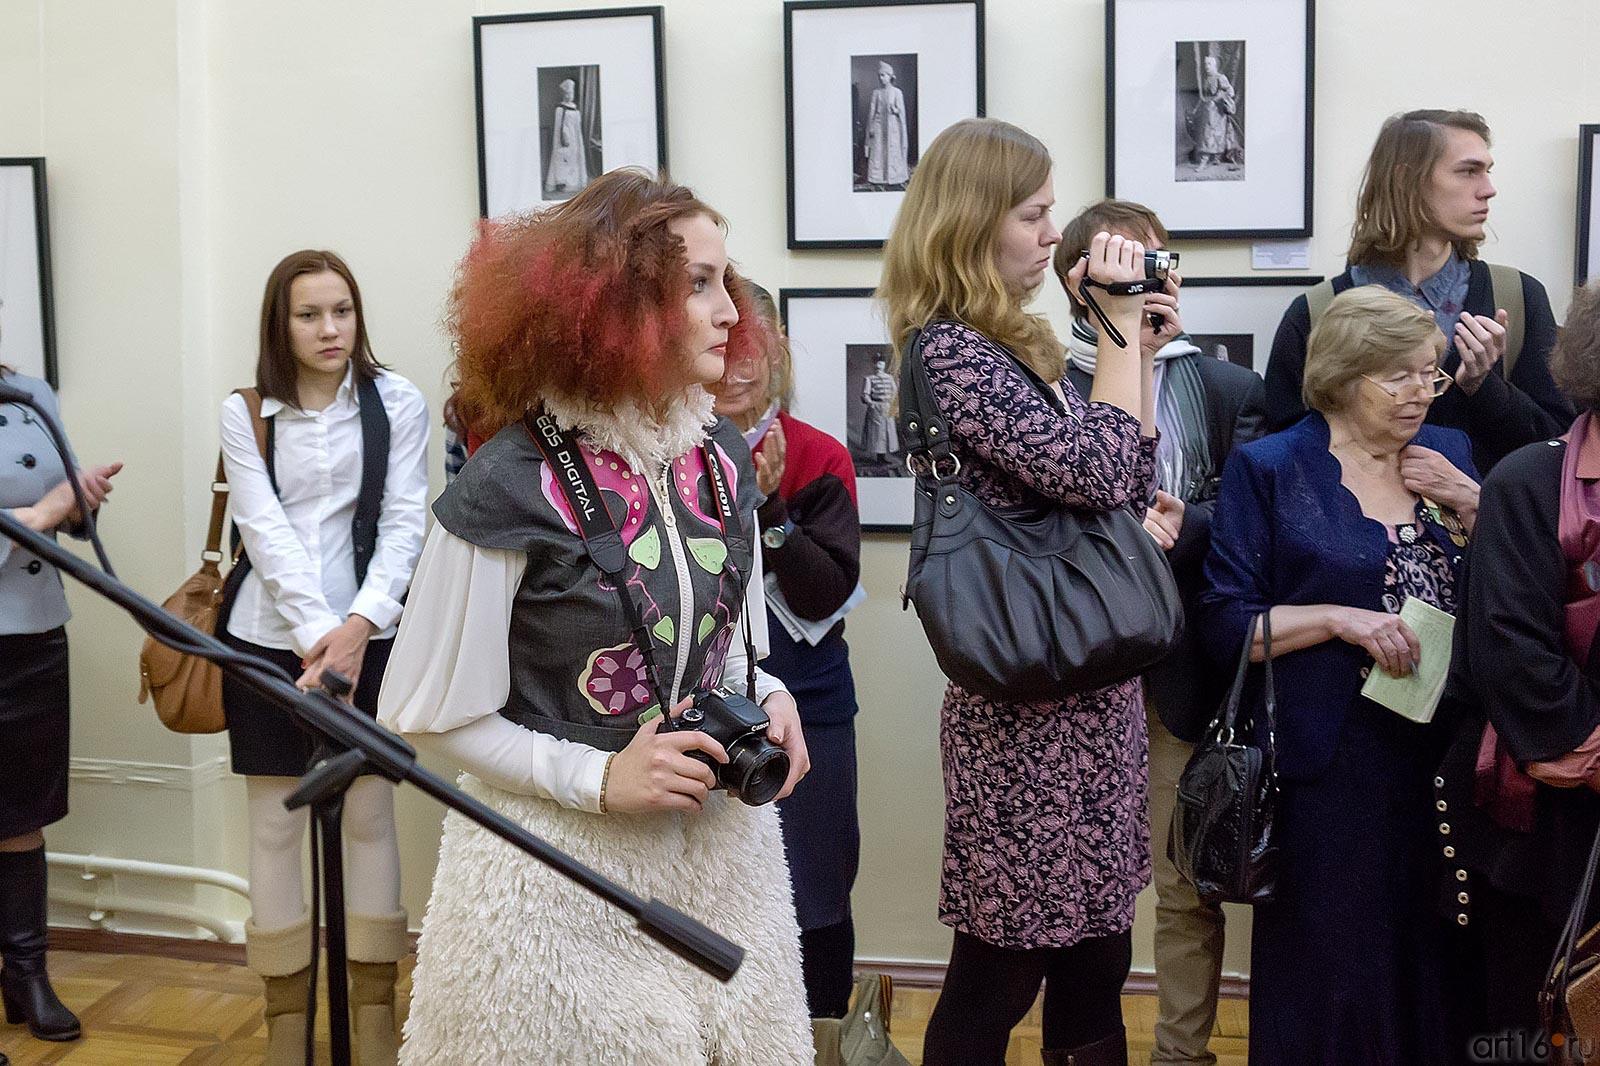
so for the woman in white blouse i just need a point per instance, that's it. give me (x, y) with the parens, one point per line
(328, 492)
(517, 661)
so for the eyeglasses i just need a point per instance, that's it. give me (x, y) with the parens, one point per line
(740, 371)
(1431, 389)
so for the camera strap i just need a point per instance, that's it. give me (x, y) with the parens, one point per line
(602, 540)
(730, 529)
(1115, 288)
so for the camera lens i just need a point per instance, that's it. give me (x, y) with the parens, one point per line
(755, 771)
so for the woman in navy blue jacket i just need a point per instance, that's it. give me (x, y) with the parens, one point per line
(1331, 525)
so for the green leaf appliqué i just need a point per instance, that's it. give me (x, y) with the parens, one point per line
(709, 552)
(646, 550)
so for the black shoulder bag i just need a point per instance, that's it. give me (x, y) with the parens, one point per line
(1221, 838)
(1027, 603)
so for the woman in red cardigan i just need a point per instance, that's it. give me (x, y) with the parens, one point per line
(811, 552)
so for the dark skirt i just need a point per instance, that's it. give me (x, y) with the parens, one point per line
(265, 740)
(34, 731)
(1346, 964)
(821, 832)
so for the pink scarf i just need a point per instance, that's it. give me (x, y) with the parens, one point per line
(1501, 787)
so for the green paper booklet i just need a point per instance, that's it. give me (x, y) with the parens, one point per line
(1416, 696)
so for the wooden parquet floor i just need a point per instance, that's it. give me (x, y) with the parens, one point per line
(141, 1010)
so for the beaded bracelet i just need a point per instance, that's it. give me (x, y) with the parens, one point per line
(605, 779)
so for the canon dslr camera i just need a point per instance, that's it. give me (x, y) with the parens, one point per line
(756, 768)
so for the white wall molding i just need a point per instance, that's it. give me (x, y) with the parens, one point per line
(149, 775)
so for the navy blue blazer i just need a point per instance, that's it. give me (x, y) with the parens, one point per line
(1286, 531)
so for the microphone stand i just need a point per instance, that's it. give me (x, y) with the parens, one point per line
(355, 744)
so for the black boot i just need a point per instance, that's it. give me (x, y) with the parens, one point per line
(1107, 1051)
(24, 985)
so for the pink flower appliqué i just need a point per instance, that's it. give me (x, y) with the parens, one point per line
(716, 657)
(614, 478)
(615, 682)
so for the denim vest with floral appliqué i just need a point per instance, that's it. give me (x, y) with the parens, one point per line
(576, 671)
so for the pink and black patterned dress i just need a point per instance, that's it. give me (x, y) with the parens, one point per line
(1046, 841)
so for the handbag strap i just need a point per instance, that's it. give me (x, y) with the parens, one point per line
(212, 555)
(1554, 993)
(924, 430)
(1227, 719)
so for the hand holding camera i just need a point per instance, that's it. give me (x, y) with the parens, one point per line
(711, 740)
(1161, 323)
(663, 769)
(1127, 274)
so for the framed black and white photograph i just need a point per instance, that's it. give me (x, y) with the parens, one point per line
(869, 84)
(843, 386)
(1209, 114)
(27, 313)
(1236, 318)
(1588, 200)
(1208, 144)
(564, 97)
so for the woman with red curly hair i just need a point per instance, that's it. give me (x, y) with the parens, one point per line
(595, 325)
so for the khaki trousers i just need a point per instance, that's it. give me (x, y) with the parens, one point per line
(1189, 933)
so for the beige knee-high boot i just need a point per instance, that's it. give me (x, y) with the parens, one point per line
(376, 944)
(281, 957)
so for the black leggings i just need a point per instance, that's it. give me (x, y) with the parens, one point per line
(987, 990)
(827, 956)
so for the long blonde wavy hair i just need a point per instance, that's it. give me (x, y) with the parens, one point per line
(939, 262)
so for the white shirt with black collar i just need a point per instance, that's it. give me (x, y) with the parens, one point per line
(302, 581)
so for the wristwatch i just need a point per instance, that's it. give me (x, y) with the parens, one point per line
(777, 536)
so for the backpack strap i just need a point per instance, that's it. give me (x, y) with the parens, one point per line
(1318, 297)
(1505, 285)
(374, 473)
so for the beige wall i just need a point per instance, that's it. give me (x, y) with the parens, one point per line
(192, 143)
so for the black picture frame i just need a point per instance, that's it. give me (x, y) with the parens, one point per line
(865, 235)
(1587, 266)
(38, 334)
(822, 383)
(487, 23)
(1251, 314)
(1178, 222)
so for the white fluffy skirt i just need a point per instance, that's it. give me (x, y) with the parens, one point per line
(518, 965)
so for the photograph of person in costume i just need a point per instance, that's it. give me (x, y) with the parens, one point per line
(569, 127)
(519, 661)
(883, 91)
(869, 404)
(1210, 105)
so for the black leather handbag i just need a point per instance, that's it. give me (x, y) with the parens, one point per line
(1221, 837)
(1026, 603)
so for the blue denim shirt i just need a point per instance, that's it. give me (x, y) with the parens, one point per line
(1445, 293)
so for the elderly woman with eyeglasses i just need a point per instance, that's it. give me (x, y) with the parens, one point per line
(1330, 526)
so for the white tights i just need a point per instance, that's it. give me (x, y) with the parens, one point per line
(277, 835)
